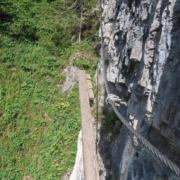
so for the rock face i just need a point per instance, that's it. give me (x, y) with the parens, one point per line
(78, 170)
(142, 45)
(71, 78)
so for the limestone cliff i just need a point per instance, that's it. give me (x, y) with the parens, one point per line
(142, 47)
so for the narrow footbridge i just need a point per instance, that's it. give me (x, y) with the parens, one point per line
(91, 169)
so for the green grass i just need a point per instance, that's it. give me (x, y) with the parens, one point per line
(38, 125)
(36, 121)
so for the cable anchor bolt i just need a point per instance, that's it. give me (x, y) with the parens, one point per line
(114, 98)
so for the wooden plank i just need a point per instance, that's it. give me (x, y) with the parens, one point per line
(90, 90)
(91, 169)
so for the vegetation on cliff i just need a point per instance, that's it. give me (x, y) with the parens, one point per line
(38, 124)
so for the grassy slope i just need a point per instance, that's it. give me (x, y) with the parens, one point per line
(38, 124)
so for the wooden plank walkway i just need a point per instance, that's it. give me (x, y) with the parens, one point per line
(90, 91)
(91, 170)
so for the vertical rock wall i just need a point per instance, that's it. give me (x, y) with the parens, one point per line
(142, 45)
